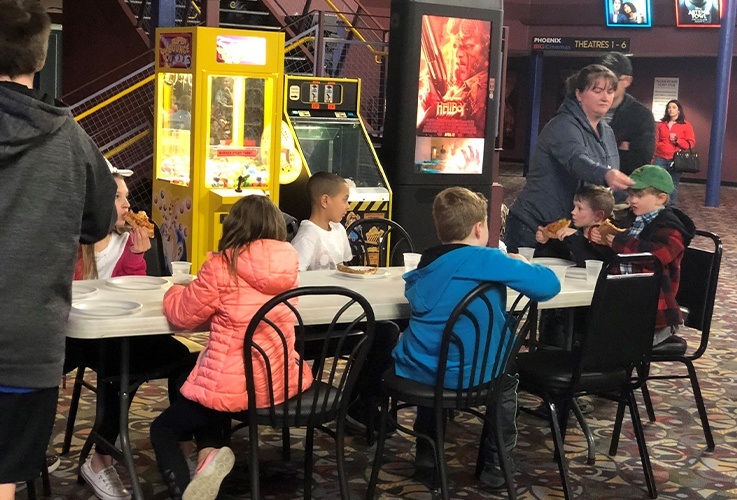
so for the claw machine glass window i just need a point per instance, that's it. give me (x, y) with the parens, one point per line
(238, 152)
(176, 119)
(338, 146)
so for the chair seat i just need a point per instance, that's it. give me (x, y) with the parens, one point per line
(672, 346)
(551, 371)
(294, 414)
(417, 393)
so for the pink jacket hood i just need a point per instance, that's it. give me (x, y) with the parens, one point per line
(265, 269)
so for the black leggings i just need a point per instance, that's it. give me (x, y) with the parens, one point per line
(185, 417)
(147, 355)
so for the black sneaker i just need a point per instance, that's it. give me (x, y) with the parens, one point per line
(492, 476)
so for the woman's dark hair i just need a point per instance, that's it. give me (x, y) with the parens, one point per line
(252, 218)
(632, 7)
(587, 77)
(681, 115)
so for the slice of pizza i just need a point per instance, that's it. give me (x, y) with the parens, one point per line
(356, 269)
(140, 219)
(552, 229)
(606, 228)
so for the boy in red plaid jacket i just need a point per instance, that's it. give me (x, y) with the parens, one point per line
(663, 231)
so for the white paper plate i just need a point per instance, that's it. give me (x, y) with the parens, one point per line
(81, 290)
(137, 282)
(552, 261)
(379, 274)
(106, 308)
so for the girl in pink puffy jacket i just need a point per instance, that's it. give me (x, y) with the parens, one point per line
(254, 264)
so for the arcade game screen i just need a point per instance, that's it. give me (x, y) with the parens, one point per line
(452, 95)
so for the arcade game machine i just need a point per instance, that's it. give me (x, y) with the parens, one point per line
(218, 97)
(322, 116)
(442, 104)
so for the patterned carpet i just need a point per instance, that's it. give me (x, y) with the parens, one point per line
(683, 468)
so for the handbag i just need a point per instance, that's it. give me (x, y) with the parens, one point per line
(686, 161)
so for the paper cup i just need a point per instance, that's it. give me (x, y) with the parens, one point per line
(411, 261)
(526, 252)
(560, 273)
(593, 269)
(180, 267)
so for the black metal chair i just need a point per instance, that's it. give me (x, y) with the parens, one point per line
(335, 366)
(618, 339)
(696, 294)
(489, 366)
(378, 242)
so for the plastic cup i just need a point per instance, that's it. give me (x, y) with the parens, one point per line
(180, 267)
(593, 269)
(411, 261)
(560, 273)
(526, 252)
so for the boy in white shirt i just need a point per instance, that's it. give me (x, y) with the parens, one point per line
(321, 241)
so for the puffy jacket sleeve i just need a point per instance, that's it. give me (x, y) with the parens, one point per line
(190, 306)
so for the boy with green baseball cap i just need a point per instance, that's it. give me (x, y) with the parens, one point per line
(661, 230)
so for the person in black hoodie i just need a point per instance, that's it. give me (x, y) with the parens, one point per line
(55, 192)
(633, 124)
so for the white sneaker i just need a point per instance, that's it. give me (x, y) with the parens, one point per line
(106, 483)
(206, 483)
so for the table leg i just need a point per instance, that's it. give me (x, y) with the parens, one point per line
(125, 444)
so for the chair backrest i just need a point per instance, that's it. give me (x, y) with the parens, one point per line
(698, 287)
(379, 242)
(472, 352)
(337, 352)
(292, 225)
(621, 320)
(155, 260)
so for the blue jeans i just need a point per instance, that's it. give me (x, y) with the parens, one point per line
(676, 176)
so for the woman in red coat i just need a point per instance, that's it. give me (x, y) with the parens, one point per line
(672, 134)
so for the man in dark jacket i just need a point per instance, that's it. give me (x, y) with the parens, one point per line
(55, 191)
(633, 123)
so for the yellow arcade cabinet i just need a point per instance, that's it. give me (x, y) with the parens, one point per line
(326, 130)
(218, 97)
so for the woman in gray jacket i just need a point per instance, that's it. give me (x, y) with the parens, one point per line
(575, 147)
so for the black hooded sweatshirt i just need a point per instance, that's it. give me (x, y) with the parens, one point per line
(55, 192)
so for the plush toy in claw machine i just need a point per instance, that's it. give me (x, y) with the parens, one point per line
(174, 229)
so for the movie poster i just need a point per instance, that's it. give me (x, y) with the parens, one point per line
(698, 13)
(453, 95)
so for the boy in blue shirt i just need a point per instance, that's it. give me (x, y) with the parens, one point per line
(446, 273)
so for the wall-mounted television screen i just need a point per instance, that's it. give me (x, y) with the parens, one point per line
(452, 95)
(698, 13)
(630, 14)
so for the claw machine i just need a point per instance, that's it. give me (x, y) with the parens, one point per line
(324, 132)
(218, 98)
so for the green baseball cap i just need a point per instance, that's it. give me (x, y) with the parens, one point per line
(652, 176)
